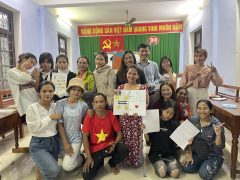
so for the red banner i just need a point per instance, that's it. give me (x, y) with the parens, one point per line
(111, 43)
(141, 28)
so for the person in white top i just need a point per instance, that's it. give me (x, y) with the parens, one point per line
(22, 83)
(42, 124)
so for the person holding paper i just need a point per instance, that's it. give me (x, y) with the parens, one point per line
(205, 150)
(61, 77)
(183, 107)
(163, 150)
(102, 138)
(131, 125)
(196, 78)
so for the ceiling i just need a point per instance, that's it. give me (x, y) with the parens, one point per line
(86, 12)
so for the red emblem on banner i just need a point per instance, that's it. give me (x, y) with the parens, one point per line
(111, 43)
(153, 40)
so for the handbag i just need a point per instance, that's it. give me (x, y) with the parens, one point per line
(201, 148)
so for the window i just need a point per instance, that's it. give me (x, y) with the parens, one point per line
(62, 44)
(7, 51)
(198, 39)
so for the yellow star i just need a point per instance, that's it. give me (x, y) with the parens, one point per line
(116, 43)
(101, 136)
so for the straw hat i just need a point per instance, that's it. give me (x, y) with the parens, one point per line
(75, 82)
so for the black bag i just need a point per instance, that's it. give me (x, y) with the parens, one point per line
(201, 148)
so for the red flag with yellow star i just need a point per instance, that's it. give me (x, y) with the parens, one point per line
(111, 43)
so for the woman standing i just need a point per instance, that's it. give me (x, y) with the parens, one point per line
(22, 84)
(205, 151)
(128, 59)
(87, 76)
(105, 77)
(46, 65)
(131, 125)
(42, 124)
(196, 78)
(63, 75)
(166, 71)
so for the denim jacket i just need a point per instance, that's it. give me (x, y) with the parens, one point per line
(208, 135)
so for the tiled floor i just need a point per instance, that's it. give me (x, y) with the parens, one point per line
(21, 167)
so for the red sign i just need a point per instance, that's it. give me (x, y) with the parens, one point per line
(111, 43)
(141, 28)
(153, 40)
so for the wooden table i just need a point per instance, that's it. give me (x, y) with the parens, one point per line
(231, 117)
(10, 120)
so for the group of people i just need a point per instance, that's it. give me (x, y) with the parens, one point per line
(81, 113)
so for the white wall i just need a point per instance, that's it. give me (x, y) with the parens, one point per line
(219, 31)
(36, 30)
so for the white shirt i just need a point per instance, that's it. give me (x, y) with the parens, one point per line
(22, 88)
(38, 121)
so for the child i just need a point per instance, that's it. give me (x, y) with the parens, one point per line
(63, 72)
(73, 112)
(163, 151)
(99, 139)
(105, 77)
(183, 107)
(41, 122)
(205, 152)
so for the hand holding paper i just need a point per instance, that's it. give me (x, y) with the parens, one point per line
(184, 133)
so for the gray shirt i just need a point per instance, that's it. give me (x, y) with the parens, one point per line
(151, 72)
(73, 116)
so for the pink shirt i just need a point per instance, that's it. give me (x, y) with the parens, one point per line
(199, 78)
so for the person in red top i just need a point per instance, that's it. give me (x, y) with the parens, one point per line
(99, 139)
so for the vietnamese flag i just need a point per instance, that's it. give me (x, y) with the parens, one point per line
(111, 43)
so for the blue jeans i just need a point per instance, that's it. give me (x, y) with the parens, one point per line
(44, 151)
(207, 167)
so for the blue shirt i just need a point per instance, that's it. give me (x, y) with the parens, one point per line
(73, 116)
(150, 70)
(208, 135)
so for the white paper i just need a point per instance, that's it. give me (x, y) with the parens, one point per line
(130, 102)
(229, 106)
(219, 99)
(60, 81)
(183, 133)
(151, 121)
(7, 110)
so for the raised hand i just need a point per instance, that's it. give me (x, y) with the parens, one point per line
(218, 128)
